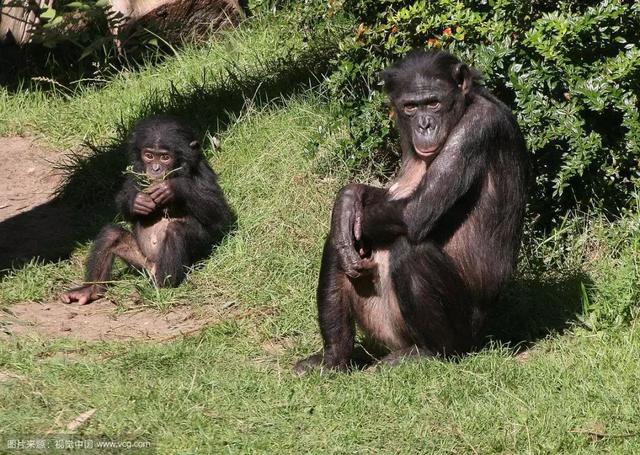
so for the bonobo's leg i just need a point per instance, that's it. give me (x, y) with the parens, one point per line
(113, 240)
(174, 255)
(337, 326)
(433, 298)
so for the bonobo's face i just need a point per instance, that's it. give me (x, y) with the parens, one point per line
(428, 109)
(158, 162)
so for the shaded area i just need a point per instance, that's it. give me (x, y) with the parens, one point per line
(530, 309)
(30, 222)
(79, 43)
(535, 306)
(85, 200)
(49, 231)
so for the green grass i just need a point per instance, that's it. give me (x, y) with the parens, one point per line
(231, 388)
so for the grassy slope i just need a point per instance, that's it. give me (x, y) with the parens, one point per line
(231, 389)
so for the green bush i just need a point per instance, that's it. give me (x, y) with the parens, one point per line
(569, 70)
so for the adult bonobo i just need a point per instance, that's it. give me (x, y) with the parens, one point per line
(176, 219)
(418, 264)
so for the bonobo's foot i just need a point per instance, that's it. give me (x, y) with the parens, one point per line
(395, 358)
(82, 295)
(318, 361)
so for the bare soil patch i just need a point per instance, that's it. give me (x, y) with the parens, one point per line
(27, 175)
(33, 222)
(101, 321)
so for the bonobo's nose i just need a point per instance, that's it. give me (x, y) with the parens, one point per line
(155, 167)
(424, 122)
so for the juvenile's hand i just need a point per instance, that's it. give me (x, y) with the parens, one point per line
(143, 204)
(161, 193)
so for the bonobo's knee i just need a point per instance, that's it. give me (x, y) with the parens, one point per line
(175, 235)
(110, 235)
(350, 191)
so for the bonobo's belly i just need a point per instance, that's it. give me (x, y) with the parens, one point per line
(151, 237)
(376, 308)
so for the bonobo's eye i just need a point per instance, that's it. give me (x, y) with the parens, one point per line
(410, 109)
(433, 104)
(148, 156)
(165, 158)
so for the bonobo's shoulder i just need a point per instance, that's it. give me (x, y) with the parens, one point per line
(484, 102)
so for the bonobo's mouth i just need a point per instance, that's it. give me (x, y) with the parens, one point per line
(426, 152)
(156, 177)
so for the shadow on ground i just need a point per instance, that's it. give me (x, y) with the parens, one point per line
(536, 306)
(51, 231)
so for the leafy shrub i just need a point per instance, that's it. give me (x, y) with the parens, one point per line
(569, 70)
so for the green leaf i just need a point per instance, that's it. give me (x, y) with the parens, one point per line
(48, 14)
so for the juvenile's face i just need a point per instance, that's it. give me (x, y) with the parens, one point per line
(158, 162)
(428, 109)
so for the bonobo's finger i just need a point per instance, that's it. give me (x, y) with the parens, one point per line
(146, 202)
(141, 209)
(82, 295)
(357, 226)
(357, 221)
(367, 264)
(350, 261)
(161, 194)
(155, 191)
(158, 188)
(161, 197)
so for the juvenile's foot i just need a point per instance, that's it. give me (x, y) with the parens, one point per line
(82, 295)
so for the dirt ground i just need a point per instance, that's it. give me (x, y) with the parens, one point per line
(100, 321)
(27, 175)
(33, 224)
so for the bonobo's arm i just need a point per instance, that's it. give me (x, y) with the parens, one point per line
(460, 164)
(133, 203)
(382, 218)
(346, 226)
(203, 198)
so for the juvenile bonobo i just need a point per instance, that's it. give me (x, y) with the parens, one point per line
(417, 265)
(176, 219)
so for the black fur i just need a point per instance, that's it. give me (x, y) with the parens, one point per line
(201, 213)
(453, 241)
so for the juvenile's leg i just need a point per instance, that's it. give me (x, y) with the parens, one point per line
(433, 299)
(337, 327)
(112, 241)
(174, 255)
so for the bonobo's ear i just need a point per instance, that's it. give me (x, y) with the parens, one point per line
(195, 145)
(388, 77)
(464, 76)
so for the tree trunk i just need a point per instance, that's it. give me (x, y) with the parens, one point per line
(170, 19)
(18, 19)
(176, 19)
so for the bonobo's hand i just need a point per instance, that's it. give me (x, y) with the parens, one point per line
(143, 204)
(346, 232)
(161, 193)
